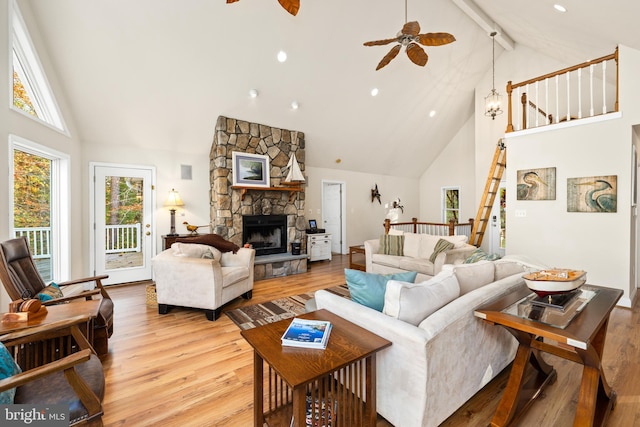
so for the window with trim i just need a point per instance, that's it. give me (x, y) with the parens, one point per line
(32, 94)
(450, 204)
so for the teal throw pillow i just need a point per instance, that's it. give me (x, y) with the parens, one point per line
(8, 368)
(391, 245)
(50, 292)
(368, 288)
(441, 246)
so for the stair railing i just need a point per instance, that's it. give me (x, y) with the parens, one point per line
(562, 95)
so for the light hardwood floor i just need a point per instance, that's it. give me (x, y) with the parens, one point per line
(182, 370)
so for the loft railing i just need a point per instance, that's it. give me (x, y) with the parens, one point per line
(584, 90)
(451, 228)
(39, 239)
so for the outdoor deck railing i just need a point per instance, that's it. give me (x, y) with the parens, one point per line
(584, 90)
(122, 238)
(118, 238)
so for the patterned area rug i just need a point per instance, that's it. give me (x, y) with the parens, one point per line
(284, 308)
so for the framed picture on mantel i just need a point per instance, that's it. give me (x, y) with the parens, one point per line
(250, 170)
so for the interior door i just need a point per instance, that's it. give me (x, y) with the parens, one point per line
(332, 214)
(122, 217)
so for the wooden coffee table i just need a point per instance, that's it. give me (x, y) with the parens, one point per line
(581, 341)
(342, 376)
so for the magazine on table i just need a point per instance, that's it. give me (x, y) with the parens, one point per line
(307, 333)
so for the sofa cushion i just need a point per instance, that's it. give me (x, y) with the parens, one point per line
(441, 246)
(412, 244)
(413, 302)
(474, 276)
(458, 241)
(391, 245)
(507, 268)
(368, 288)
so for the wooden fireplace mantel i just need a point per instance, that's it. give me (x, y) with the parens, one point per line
(291, 189)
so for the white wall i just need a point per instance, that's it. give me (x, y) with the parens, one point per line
(14, 123)
(364, 219)
(454, 167)
(598, 243)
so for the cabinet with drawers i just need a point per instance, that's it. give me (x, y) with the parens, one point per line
(319, 246)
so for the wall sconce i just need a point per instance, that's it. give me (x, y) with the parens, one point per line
(173, 202)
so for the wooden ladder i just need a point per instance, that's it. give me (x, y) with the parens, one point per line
(498, 165)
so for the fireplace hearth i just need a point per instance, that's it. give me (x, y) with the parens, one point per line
(267, 234)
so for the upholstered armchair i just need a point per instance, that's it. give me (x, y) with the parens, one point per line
(21, 279)
(200, 276)
(76, 380)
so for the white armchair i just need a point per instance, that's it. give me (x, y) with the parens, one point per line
(200, 276)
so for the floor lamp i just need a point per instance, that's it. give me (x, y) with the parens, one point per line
(173, 202)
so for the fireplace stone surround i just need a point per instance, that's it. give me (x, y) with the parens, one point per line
(228, 206)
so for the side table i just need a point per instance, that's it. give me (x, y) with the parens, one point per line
(581, 341)
(341, 377)
(359, 264)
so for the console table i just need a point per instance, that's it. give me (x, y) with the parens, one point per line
(341, 376)
(581, 341)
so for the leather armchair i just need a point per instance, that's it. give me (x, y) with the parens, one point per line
(20, 277)
(199, 276)
(76, 380)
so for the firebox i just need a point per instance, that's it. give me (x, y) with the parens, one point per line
(266, 233)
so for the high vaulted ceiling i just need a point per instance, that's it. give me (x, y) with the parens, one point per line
(157, 73)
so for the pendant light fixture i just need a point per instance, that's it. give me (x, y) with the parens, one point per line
(493, 100)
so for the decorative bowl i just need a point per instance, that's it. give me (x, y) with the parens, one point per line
(546, 282)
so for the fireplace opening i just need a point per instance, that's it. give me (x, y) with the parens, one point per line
(267, 234)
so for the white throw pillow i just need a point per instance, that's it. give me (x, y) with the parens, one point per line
(412, 245)
(413, 302)
(458, 241)
(474, 276)
(195, 250)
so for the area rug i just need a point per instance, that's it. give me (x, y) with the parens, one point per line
(251, 316)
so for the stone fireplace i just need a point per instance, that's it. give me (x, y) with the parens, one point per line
(229, 205)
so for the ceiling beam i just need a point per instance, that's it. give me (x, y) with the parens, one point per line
(485, 22)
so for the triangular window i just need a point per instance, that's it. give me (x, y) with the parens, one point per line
(31, 91)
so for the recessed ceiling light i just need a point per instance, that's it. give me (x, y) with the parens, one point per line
(282, 56)
(432, 113)
(295, 105)
(559, 8)
(374, 91)
(253, 93)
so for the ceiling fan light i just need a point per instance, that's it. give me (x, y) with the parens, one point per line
(559, 8)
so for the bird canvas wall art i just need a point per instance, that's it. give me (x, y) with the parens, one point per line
(536, 184)
(592, 194)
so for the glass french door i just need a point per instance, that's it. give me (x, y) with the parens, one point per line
(123, 231)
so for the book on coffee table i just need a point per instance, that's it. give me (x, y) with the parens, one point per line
(307, 333)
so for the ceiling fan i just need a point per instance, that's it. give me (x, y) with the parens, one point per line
(291, 6)
(409, 37)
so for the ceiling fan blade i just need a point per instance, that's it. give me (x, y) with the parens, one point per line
(411, 28)
(388, 57)
(417, 55)
(377, 42)
(291, 6)
(231, 1)
(435, 39)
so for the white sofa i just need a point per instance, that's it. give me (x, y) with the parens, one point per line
(436, 364)
(200, 276)
(417, 249)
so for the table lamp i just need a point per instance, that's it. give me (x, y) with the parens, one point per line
(172, 202)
